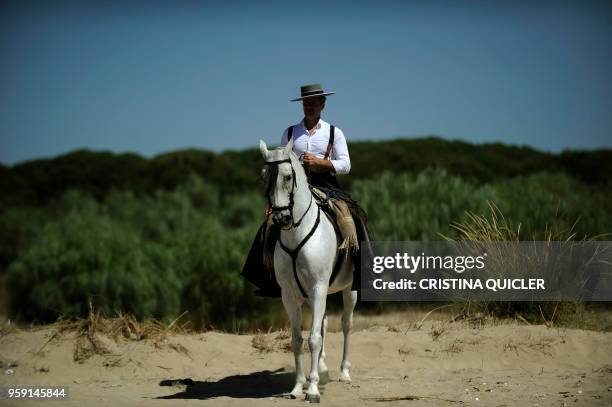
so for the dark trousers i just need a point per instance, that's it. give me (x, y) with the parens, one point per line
(254, 268)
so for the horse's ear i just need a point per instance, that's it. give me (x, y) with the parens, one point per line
(288, 148)
(264, 149)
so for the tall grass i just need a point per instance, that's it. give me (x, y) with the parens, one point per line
(505, 261)
(182, 249)
(423, 206)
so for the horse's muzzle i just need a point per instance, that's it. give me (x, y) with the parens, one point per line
(282, 218)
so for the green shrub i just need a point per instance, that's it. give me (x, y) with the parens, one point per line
(181, 250)
(85, 255)
(418, 207)
(422, 206)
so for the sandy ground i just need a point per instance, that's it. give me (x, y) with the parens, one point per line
(439, 364)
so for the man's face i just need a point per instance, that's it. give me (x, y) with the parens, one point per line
(313, 107)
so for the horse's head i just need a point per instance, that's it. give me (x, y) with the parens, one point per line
(280, 175)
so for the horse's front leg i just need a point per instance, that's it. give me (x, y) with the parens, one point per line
(317, 298)
(323, 371)
(294, 311)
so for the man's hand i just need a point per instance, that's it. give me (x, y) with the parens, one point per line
(310, 160)
(268, 210)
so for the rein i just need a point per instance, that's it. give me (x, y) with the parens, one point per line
(293, 253)
(291, 194)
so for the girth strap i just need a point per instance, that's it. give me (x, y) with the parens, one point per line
(339, 256)
(294, 253)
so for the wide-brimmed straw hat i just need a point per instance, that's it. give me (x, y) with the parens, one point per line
(309, 91)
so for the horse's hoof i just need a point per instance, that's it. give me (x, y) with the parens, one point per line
(313, 398)
(295, 393)
(345, 378)
(324, 377)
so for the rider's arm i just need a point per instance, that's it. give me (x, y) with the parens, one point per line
(310, 160)
(340, 162)
(340, 159)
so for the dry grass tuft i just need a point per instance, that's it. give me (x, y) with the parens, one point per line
(454, 347)
(91, 330)
(493, 231)
(436, 331)
(264, 343)
(481, 229)
(511, 346)
(283, 334)
(274, 341)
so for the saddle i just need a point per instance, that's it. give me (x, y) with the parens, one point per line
(350, 224)
(338, 213)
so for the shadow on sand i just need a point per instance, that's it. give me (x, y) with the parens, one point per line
(253, 385)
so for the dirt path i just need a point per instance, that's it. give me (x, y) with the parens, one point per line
(440, 364)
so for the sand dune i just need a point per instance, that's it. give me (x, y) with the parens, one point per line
(440, 364)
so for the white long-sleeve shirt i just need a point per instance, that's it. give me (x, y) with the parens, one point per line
(316, 144)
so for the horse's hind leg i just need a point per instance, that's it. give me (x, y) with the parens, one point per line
(294, 310)
(349, 299)
(323, 371)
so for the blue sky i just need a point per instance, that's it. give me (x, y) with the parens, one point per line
(150, 77)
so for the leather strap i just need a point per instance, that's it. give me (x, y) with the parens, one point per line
(330, 143)
(340, 258)
(294, 253)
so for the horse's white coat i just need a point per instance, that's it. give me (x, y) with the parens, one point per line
(314, 267)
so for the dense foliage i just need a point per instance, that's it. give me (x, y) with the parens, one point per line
(162, 236)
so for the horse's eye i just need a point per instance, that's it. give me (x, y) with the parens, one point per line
(287, 178)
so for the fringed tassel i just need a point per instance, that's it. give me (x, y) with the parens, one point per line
(346, 226)
(347, 229)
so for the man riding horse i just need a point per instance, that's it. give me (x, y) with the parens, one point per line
(323, 151)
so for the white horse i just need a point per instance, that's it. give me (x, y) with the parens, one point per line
(304, 258)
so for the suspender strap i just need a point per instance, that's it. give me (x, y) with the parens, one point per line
(289, 133)
(330, 143)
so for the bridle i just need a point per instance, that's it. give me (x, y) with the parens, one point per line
(291, 194)
(293, 253)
